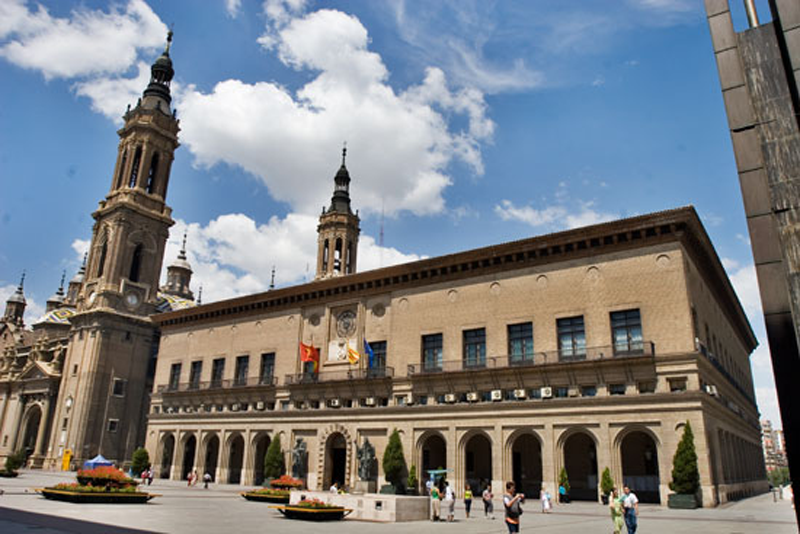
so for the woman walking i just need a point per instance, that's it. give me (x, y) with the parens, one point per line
(436, 504)
(616, 509)
(488, 501)
(544, 496)
(512, 502)
(467, 499)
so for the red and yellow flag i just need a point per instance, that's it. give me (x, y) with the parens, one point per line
(309, 353)
(352, 355)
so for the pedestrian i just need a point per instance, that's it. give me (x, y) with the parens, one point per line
(488, 501)
(429, 485)
(631, 505)
(546, 499)
(467, 499)
(334, 488)
(512, 502)
(195, 477)
(617, 510)
(435, 503)
(206, 480)
(150, 475)
(449, 502)
(144, 476)
(563, 498)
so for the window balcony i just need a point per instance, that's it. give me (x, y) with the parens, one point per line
(604, 353)
(345, 375)
(251, 381)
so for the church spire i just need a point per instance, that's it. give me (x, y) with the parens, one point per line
(15, 305)
(340, 202)
(161, 73)
(57, 300)
(179, 275)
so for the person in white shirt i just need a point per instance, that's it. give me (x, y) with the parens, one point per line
(631, 505)
(488, 502)
(335, 488)
(449, 501)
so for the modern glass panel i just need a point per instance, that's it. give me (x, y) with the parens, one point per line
(520, 343)
(432, 354)
(475, 347)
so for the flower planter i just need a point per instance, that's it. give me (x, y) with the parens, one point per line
(8, 474)
(681, 501)
(83, 497)
(265, 497)
(307, 513)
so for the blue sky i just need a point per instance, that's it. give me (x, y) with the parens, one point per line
(467, 124)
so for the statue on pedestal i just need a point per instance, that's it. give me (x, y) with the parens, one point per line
(299, 459)
(366, 460)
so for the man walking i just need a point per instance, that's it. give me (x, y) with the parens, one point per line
(631, 504)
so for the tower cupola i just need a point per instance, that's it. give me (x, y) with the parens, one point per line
(161, 73)
(15, 305)
(76, 283)
(179, 276)
(57, 300)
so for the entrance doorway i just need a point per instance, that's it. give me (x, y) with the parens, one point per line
(167, 452)
(235, 459)
(434, 455)
(31, 431)
(478, 461)
(526, 465)
(189, 449)
(262, 444)
(640, 466)
(580, 460)
(335, 461)
(212, 457)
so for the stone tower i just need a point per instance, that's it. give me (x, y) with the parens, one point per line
(103, 395)
(179, 276)
(15, 305)
(338, 230)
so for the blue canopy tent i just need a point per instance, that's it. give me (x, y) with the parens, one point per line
(97, 461)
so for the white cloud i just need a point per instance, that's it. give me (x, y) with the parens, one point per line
(767, 398)
(233, 255)
(745, 283)
(110, 96)
(555, 217)
(232, 7)
(87, 43)
(279, 136)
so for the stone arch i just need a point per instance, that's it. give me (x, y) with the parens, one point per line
(188, 451)
(210, 455)
(475, 451)
(234, 447)
(325, 466)
(578, 448)
(638, 450)
(30, 429)
(166, 451)
(523, 452)
(431, 453)
(259, 444)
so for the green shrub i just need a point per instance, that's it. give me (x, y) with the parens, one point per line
(779, 476)
(606, 482)
(14, 461)
(412, 477)
(273, 460)
(394, 463)
(685, 476)
(140, 461)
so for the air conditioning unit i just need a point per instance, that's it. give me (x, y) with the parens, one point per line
(574, 392)
(472, 396)
(520, 394)
(369, 401)
(712, 390)
(260, 405)
(235, 407)
(547, 392)
(334, 403)
(410, 399)
(450, 397)
(497, 394)
(188, 409)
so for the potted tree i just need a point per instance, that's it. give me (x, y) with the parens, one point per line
(563, 484)
(685, 476)
(394, 464)
(606, 484)
(274, 465)
(140, 461)
(411, 483)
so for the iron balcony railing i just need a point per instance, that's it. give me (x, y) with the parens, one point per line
(230, 383)
(610, 352)
(375, 373)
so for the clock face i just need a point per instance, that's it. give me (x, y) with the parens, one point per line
(346, 324)
(132, 300)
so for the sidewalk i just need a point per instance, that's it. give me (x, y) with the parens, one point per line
(181, 509)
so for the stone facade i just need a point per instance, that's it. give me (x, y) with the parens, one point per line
(585, 349)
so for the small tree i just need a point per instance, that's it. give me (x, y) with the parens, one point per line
(273, 460)
(14, 461)
(685, 476)
(563, 479)
(606, 482)
(140, 461)
(394, 462)
(412, 477)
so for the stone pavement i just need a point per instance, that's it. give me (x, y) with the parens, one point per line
(220, 509)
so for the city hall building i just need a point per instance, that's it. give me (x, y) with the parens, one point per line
(582, 350)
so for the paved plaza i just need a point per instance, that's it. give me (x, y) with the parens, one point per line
(219, 509)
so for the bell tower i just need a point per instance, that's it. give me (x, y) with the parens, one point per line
(103, 396)
(338, 230)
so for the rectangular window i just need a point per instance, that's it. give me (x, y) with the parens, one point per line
(194, 374)
(113, 425)
(648, 386)
(174, 376)
(588, 391)
(64, 423)
(75, 369)
(561, 392)
(119, 387)
(626, 331)
(616, 389)
(677, 384)
(520, 343)
(475, 348)
(267, 370)
(432, 352)
(571, 338)
(242, 367)
(377, 368)
(217, 371)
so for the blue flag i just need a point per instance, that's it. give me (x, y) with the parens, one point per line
(370, 353)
